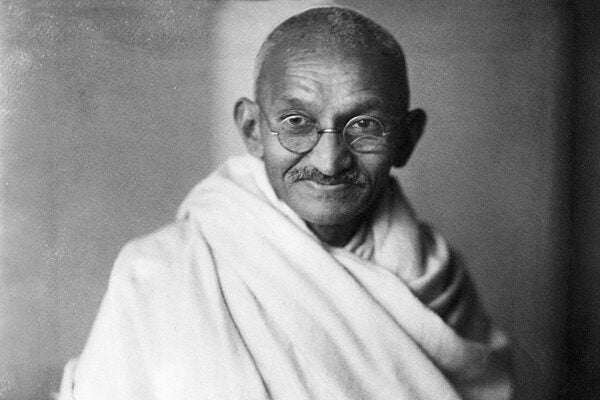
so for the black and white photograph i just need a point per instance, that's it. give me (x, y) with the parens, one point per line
(299, 200)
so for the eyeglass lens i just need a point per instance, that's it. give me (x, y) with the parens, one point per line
(362, 134)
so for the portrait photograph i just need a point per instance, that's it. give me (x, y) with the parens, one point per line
(299, 199)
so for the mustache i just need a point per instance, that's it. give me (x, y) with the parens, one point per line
(350, 176)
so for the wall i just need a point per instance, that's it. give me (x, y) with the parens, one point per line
(492, 169)
(584, 322)
(110, 113)
(103, 132)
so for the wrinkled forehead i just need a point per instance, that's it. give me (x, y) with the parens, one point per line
(325, 62)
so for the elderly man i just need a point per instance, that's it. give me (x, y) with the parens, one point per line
(299, 271)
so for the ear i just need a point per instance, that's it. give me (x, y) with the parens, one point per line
(246, 115)
(408, 137)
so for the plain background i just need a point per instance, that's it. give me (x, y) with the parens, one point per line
(111, 111)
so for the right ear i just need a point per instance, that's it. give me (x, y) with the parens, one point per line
(246, 115)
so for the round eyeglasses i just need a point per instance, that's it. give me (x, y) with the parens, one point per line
(299, 134)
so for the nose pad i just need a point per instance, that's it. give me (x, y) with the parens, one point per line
(331, 155)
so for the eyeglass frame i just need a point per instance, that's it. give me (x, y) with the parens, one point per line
(337, 131)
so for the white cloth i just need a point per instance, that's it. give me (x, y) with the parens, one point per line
(238, 299)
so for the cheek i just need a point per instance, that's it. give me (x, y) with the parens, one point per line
(377, 167)
(277, 162)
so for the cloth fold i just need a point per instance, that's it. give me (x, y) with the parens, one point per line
(238, 299)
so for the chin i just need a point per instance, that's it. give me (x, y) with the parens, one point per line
(329, 215)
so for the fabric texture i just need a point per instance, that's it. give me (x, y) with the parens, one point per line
(238, 299)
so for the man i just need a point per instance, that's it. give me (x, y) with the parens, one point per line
(300, 271)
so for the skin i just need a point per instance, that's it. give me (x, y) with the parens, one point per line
(329, 87)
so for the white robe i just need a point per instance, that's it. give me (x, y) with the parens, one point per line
(238, 299)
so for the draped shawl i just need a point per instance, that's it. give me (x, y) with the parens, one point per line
(238, 299)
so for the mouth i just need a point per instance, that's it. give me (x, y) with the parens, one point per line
(327, 187)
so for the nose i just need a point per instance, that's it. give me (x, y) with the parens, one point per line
(331, 155)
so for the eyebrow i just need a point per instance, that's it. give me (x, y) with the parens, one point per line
(372, 103)
(361, 107)
(285, 102)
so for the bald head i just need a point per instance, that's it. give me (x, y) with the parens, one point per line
(333, 32)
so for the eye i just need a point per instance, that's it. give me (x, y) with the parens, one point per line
(296, 121)
(365, 127)
(365, 123)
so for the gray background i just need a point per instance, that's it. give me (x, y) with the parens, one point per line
(111, 111)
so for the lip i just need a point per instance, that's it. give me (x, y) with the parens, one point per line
(325, 187)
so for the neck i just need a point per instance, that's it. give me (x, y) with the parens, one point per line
(336, 235)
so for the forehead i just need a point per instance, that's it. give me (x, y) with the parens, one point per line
(319, 71)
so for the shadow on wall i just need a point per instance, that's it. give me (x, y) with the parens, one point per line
(110, 113)
(491, 169)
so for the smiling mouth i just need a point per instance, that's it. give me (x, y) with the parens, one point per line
(327, 186)
(330, 183)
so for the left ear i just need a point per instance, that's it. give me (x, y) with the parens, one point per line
(406, 140)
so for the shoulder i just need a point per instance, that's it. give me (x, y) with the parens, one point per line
(160, 258)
